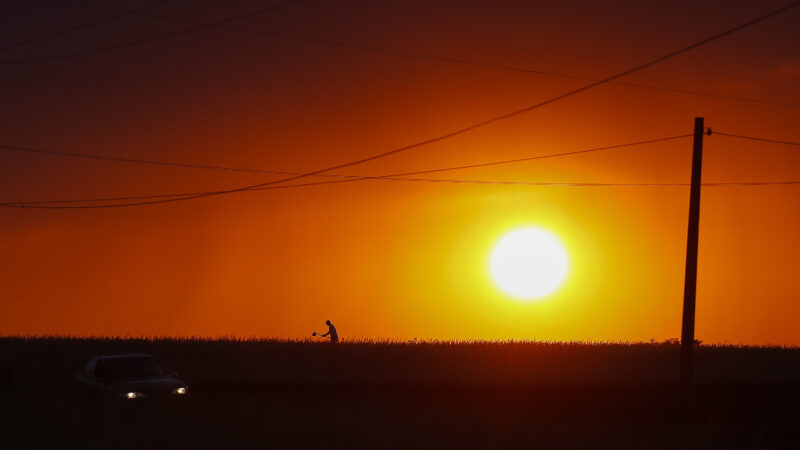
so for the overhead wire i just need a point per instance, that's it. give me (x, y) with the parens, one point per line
(283, 172)
(121, 13)
(468, 128)
(138, 161)
(444, 169)
(55, 204)
(370, 48)
(342, 178)
(159, 37)
(477, 125)
(59, 204)
(758, 139)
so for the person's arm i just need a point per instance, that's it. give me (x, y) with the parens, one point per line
(323, 335)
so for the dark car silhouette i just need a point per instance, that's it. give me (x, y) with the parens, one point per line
(131, 377)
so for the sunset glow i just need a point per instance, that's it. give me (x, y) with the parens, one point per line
(528, 263)
(377, 88)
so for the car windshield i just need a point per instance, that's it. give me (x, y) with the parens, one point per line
(119, 368)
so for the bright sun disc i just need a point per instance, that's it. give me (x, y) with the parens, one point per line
(528, 263)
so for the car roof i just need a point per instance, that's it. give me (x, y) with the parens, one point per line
(123, 356)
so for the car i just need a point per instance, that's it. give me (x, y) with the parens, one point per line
(131, 377)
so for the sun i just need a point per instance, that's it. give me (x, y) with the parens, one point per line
(528, 263)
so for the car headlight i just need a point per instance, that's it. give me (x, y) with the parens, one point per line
(133, 395)
(180, 391)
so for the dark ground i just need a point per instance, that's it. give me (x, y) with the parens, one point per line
(353, 408)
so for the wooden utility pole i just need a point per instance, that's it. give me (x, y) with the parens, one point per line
(690, 283)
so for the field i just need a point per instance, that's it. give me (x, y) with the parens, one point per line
(290, 394)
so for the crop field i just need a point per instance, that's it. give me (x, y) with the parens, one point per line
(297, 394)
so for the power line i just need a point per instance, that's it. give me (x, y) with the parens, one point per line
(281, 172)
(446, 59)
(139, 161)
(751, 138)
(552, 155)
(482, 123)
(473, 126)
(754, 183)
(54, 204)
(53, 34)
(342, 178)
(159, 37)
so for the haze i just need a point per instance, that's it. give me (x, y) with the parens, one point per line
(391, 259)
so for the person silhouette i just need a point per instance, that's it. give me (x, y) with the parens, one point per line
(332, 334)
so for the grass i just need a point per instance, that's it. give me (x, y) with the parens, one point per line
(267, 393)
(236, 360)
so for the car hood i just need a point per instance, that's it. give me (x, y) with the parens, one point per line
(148, 385)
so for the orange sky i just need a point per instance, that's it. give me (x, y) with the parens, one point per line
(397, 259)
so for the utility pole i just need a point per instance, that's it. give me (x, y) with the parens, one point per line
(690, 283)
